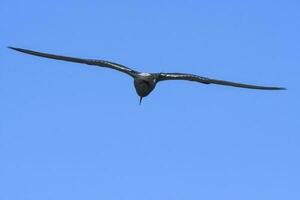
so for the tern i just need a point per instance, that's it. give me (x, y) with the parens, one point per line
(144, 83)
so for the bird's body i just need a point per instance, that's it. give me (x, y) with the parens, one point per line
(145, 83)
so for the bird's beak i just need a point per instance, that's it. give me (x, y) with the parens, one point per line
(141, 98)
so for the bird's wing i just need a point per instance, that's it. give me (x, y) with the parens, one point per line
(101, 63)
(192, 77)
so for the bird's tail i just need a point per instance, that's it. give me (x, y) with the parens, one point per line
(141, 98)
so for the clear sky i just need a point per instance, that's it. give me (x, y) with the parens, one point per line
(71, 131)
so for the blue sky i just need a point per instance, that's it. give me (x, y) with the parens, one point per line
(70, 131)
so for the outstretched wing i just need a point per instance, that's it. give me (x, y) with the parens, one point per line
(200, 79)
(101, 63)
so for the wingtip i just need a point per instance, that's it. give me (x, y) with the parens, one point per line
(280, 88)
(18, 49)
(13, 48)
(276, 88)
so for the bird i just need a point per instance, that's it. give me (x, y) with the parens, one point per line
(145, 83)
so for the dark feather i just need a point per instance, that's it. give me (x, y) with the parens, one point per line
(200, 79)
(101, 63)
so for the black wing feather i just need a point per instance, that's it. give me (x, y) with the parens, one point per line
(101, 63)
(192, 77)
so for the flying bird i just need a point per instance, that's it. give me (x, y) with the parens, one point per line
(144, 83)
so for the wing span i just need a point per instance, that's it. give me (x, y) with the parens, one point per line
(200, 79)
(101, 63)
